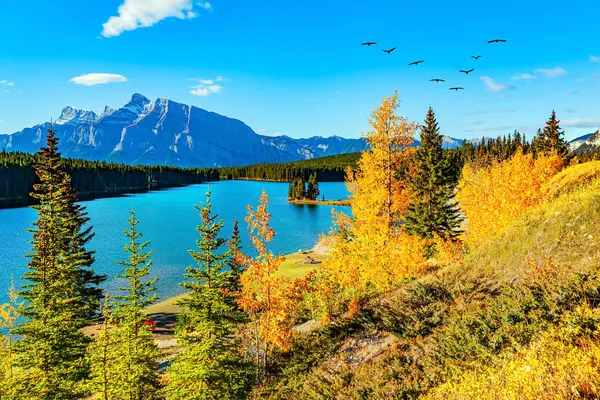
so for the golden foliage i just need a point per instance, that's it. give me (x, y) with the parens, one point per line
(269, 298)
(372, 251)
(494, 196)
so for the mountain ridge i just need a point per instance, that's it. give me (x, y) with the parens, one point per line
(165, 132)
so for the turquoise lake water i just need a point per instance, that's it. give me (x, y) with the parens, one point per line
(168, 221)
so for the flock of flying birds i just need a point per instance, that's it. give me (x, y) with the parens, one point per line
(437, 80)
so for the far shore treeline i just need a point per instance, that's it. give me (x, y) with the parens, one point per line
(97, 179)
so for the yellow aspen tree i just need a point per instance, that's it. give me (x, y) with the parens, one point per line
(375, 252)
(269, 299)
(494, 196)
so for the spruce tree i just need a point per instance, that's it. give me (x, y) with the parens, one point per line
(137, 364)
(433, 210)
(209, 367)
(312, 190)
(61, 289)
(551, 137)
(299, 189)
(235, 268)
(104, 357)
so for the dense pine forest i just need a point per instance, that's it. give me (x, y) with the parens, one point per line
(92, 179)
(408, 301)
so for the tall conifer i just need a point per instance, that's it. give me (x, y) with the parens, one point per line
(312, 189)
(104, 357)
(137, 364)
(209, 367)
(433, 210)
(61, 290)
(551, 137)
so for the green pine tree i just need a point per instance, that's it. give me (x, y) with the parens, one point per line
(235, 268)
(299, 189)
(291, 191)
(551, 138)
(209, 367)
(433, 210)
(312, 190)
(136, 375)
(104, 357)
(60, 290)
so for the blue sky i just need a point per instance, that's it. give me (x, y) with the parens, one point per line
(297, 67)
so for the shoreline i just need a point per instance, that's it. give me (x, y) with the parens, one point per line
(165, 312)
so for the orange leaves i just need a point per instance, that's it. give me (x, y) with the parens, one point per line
(494, 196)
(270, 299)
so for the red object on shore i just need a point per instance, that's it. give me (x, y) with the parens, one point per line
(149, 322)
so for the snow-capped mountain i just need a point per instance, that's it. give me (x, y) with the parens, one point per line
(585, 143)
(171, 133)
(167, 132)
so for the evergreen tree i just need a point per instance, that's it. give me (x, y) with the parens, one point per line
(235, 267)
(61, 289)
(433, 210)
(137, 364)
(292, 191)
(299, 189)
(104, 357)
(551, 137)
(312, 190)
(209, 367)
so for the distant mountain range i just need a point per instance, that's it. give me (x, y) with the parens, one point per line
(169, 133)
(585, 143)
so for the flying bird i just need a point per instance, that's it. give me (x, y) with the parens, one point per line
(457, 88)
(437, 80)
(497, 41)
(390, 50)
(416, 62)
(468, 71)
(476, 57)
(368, 43)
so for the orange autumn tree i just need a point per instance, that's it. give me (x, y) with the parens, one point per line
(373, 251)
(494, 196)
(269, 299)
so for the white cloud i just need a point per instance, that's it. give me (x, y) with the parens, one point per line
(493, 86)
(472, 122)
(97, 79)
(4, 82)
(524, 77)
(595, 59)
(134, 14)
(201, 90)
(206, 87)
(581, 122)
(552, 73)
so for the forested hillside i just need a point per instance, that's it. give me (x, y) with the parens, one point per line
(92, 179)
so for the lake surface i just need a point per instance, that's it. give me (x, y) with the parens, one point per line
(168, 220)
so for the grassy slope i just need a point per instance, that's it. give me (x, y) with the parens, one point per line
(463, 315)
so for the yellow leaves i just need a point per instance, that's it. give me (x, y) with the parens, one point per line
(372, 251)
(494, 196)
(272, 300)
